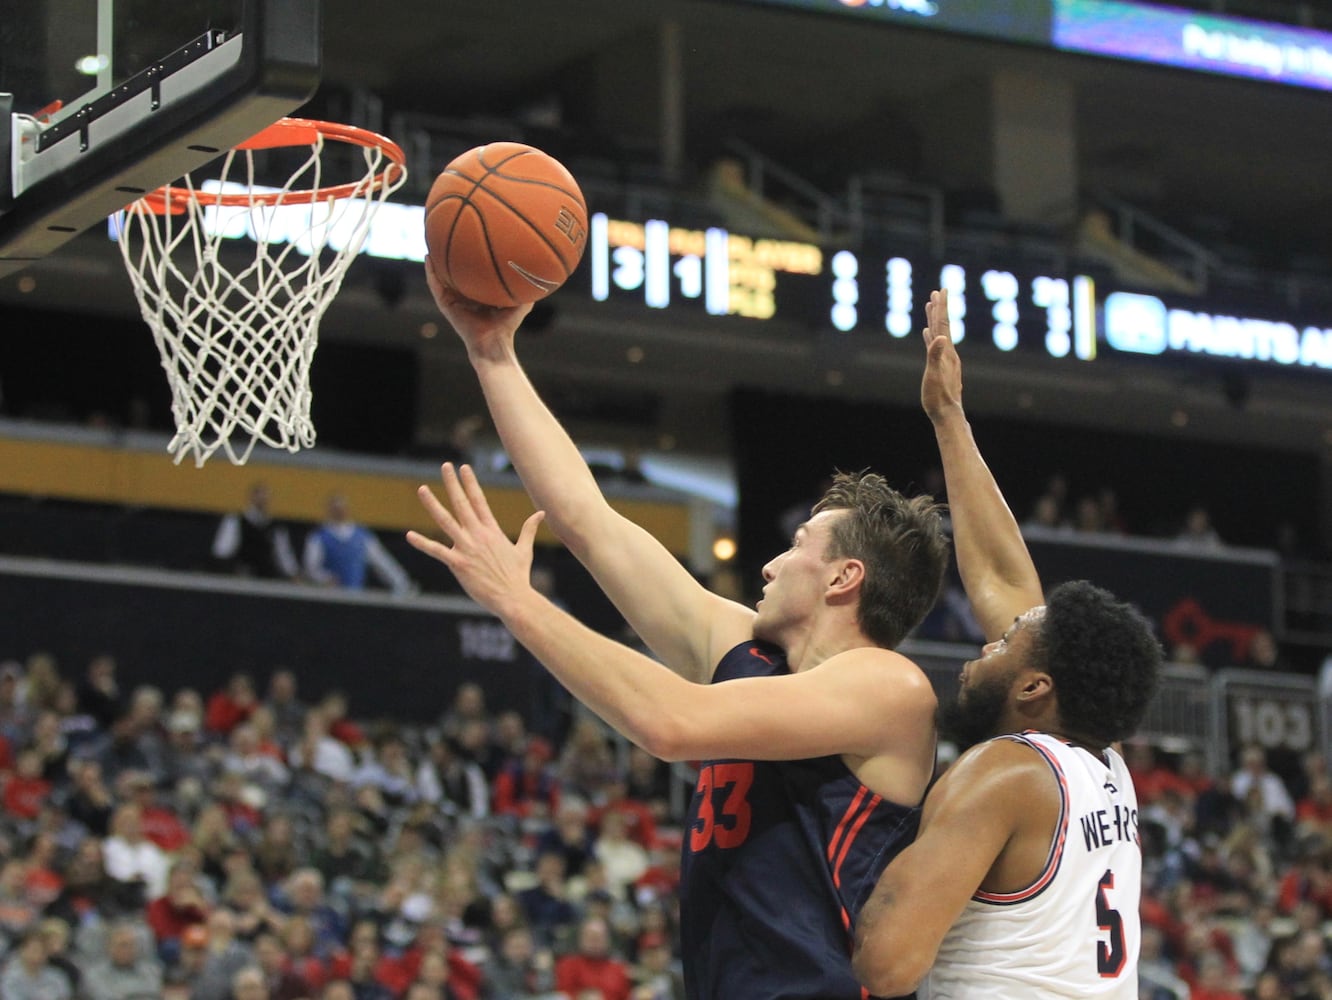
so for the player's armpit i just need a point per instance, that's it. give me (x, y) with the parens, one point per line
(970, 818)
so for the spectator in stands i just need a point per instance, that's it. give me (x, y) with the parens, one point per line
(120, 750)
(1264, 653)
(348, 862)
(341, 726)
(640, 824)
(648, 780)
(184, 755)
(624, 860)
(157, 818)
(26, 789)
(28, 976)
(587, 764)
(1112, 521)
(224, 956)
(1313, 812)
(528, 788)
(257, 765)
(98, 692)
(450, 782)
(180, 907)
(18, 913)
(509, 734)
(1197, 531)
(1087, 516)
(283, 700)
(592, 966)
(251, 543)
(282, 983)
(251, 912)
(546, 904)
(1151, 776)
(145, 712)
(363, 963)
(1307, 880)
(298, 941)
(518, 969)
(276, 853)
(570, 835)
(320, 752)
(657, 976)
(389, 769)
(51, 746)
(340, 551)
(661, 881)
(474, 743)
(55, 935)
(266, 734)
(249, 983)
(1263, 791)
(131, 857)
(1215, 979)
(230, 705)
(89, 894)
(41, 681)
(303, 895)
(14, 714)
(468, 705)
(128, 971)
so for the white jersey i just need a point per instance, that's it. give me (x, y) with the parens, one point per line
(1074, 932)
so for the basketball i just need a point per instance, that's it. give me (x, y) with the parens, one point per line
(505, 224)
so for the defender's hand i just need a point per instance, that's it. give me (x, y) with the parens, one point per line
(941, 386)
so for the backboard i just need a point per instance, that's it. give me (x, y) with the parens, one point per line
(102, 101)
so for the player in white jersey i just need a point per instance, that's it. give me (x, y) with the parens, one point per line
(1002, 946)
(1025, 878)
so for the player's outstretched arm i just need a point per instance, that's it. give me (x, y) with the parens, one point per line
(863, 702)
(997, 572)
(682, 622)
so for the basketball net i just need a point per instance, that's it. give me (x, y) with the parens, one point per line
(237, 333)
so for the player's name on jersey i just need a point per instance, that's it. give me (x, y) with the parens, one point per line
(1103, 827)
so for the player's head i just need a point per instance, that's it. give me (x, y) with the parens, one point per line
(1100, 656)
(1104, 660)
(901, 542)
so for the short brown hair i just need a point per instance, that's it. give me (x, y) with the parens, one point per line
(901, 542)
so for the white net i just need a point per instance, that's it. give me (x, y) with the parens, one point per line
(233, 282)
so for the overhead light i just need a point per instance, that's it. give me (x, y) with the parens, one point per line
(92, 65)
(724, 548)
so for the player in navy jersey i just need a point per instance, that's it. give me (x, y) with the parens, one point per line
(817, 740)
(1025, 879)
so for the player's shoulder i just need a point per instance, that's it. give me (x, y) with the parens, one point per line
(1000, 762)
(883, 675)
(877, 659)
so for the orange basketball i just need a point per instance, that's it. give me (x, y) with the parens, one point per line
(505, 224)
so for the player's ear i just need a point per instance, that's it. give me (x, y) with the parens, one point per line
(848, 578)
(1035, 686)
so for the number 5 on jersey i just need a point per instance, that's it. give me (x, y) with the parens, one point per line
(727, 826)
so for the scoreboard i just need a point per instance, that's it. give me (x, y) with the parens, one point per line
(881, 292)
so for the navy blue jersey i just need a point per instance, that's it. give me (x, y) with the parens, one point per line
(779, 857)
